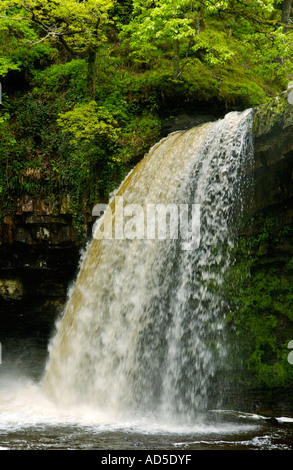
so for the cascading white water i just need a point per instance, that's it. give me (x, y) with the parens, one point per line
(142, 331)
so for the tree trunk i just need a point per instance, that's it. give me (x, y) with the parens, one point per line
(286, 12)
(91, 78)
(199, 21)
(176, 59)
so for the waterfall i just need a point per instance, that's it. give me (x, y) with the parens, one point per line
(143, 330)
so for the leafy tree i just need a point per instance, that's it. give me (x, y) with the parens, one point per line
(78, 26)
(15, 36)
(157, 23)
(87, 122)
(209, 30)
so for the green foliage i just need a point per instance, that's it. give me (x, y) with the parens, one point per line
(7, 64)
(99, 73)
(7, 146)
(88, 122)
(154, 25)
(19, 47)
(215, 33)
(77, 26)
(93, 134)
(68, 79)
(138, 136)
(215, 46)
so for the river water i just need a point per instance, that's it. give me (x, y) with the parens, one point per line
(29, 421)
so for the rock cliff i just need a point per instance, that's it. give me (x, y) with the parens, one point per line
(39, 254)
(273, 133)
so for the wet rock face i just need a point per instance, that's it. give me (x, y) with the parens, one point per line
(185, 120)
(39, 255)
(273, 133)
(11, 289)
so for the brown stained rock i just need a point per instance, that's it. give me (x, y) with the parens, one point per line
(23, 235)
(41, 207)
(273, 143)
(27, 204)
(11, 289)
(65, 207)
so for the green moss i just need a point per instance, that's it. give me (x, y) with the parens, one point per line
(259, 291)
(276, 112)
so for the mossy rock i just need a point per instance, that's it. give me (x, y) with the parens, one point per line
(276, 114)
